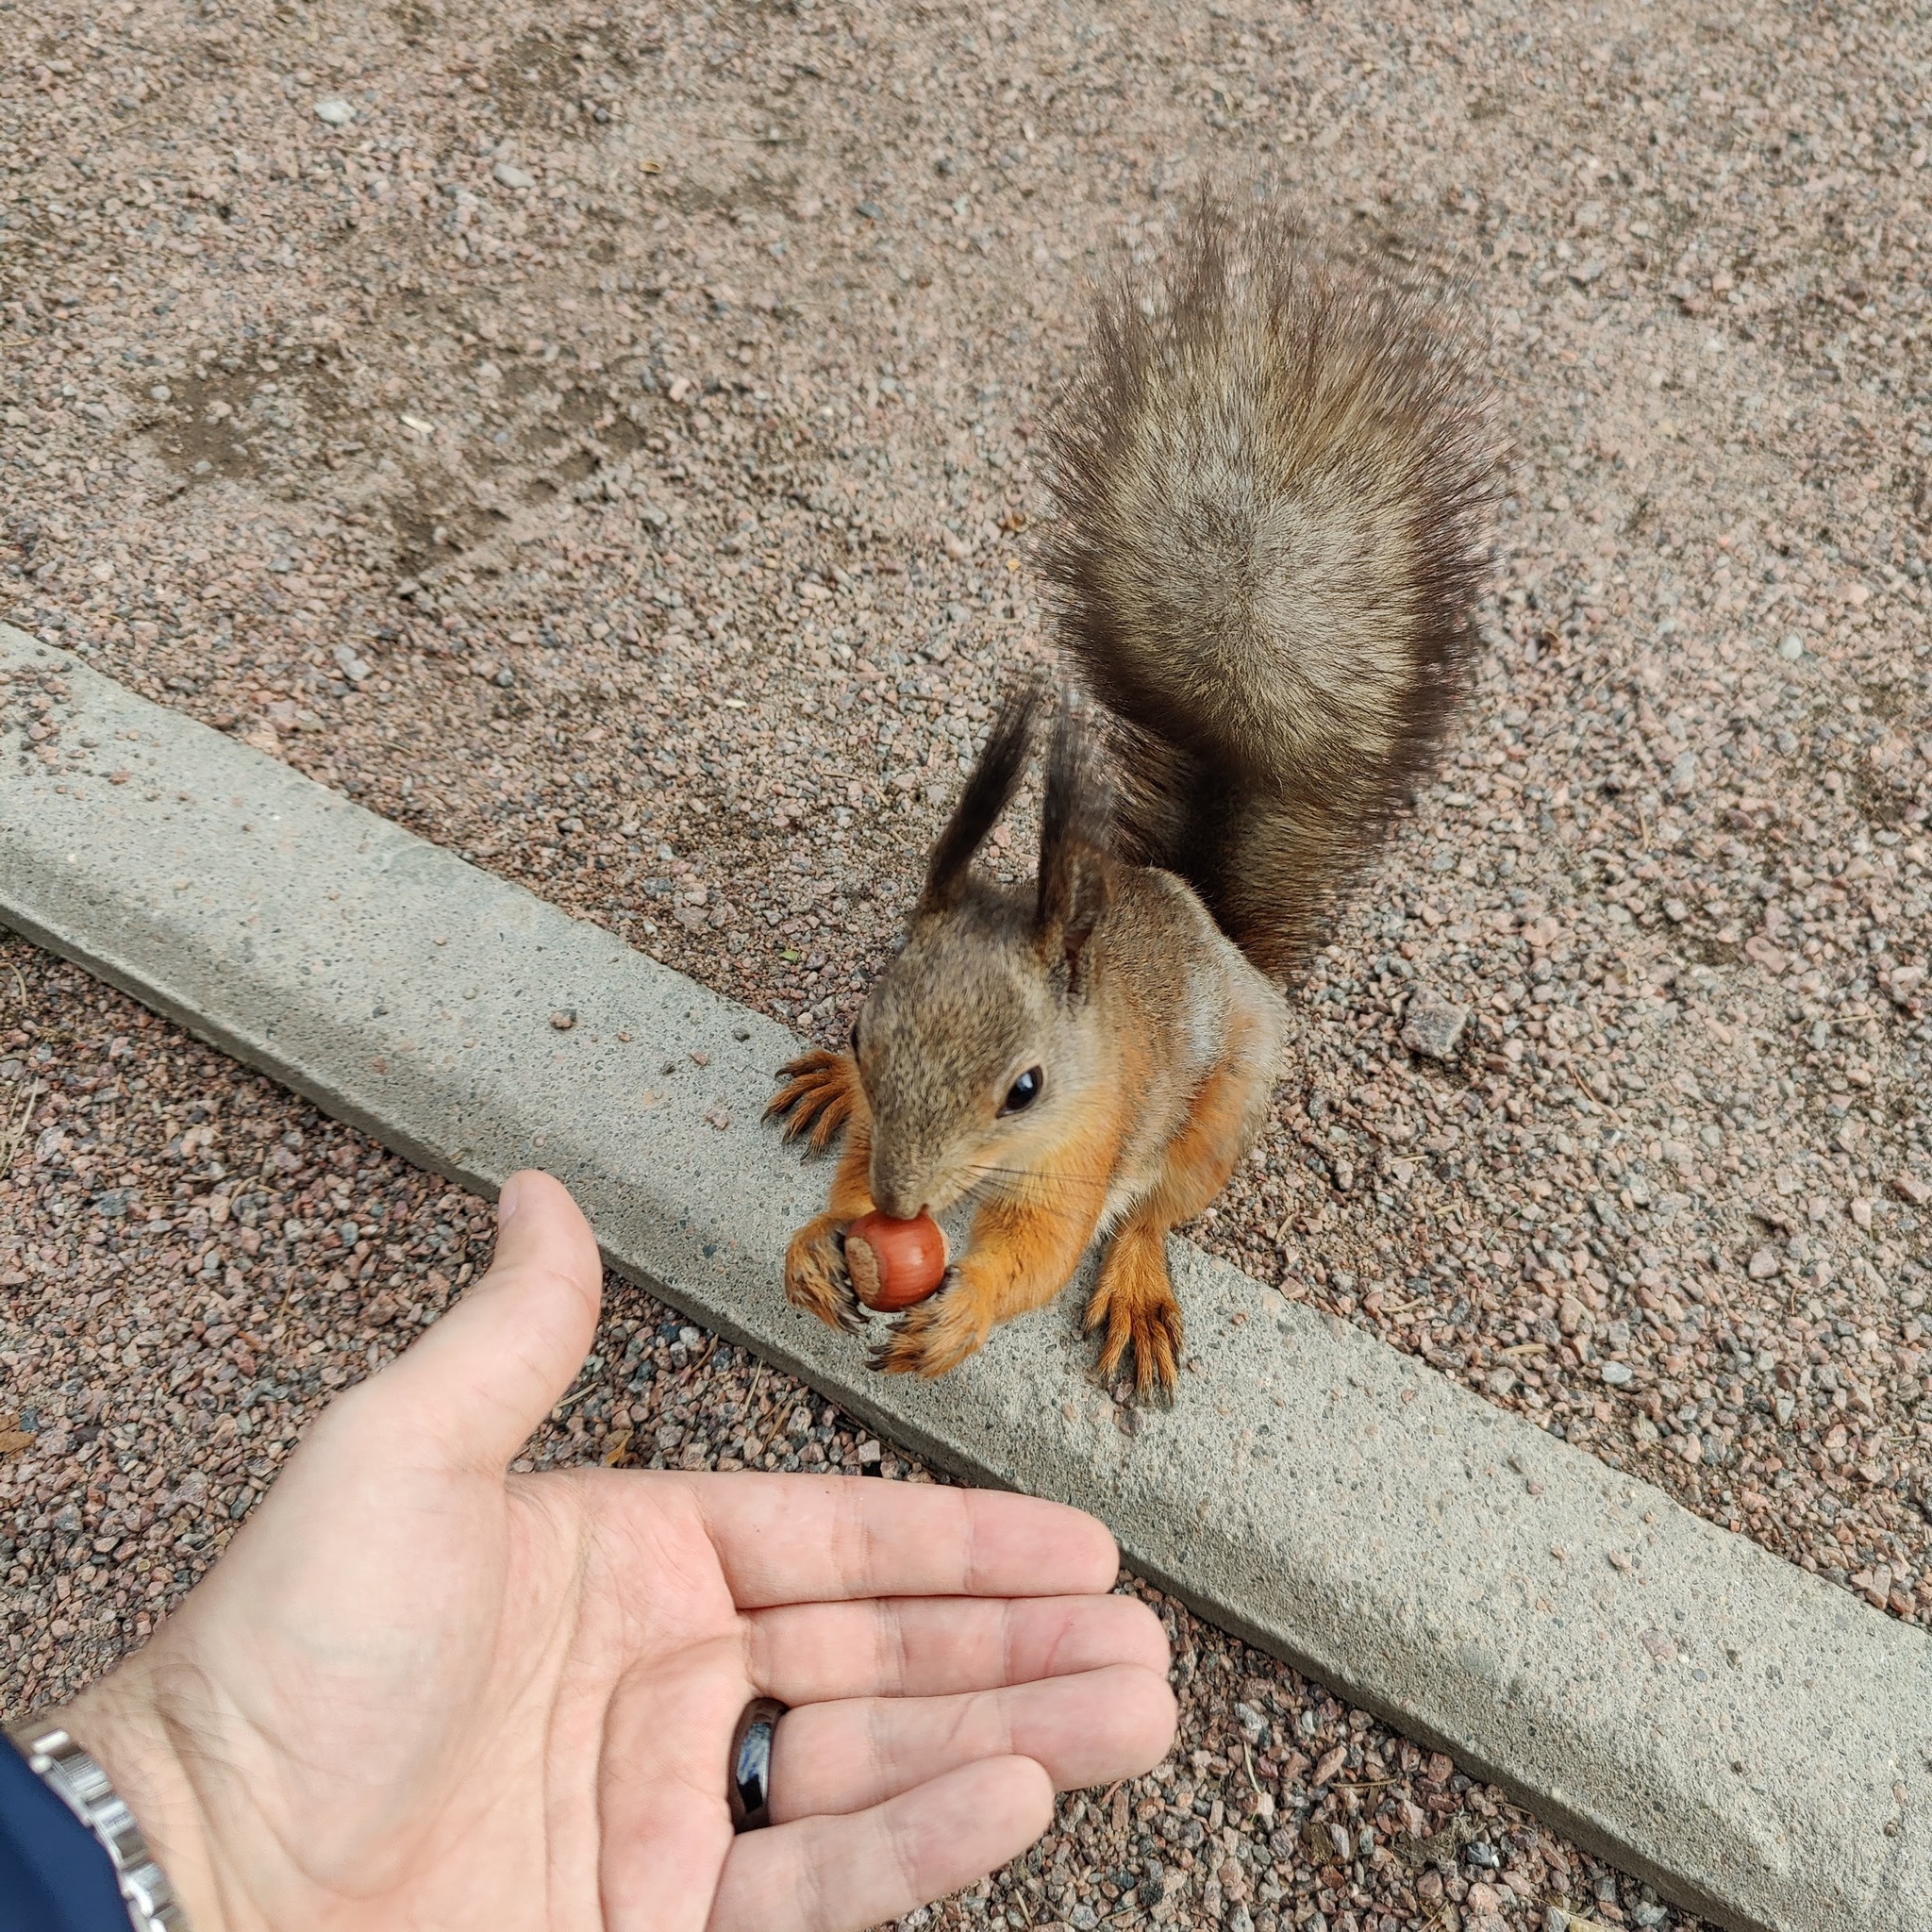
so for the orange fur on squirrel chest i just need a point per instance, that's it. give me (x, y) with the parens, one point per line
(894, 1263)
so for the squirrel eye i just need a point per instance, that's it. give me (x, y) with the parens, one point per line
(1024, 1091)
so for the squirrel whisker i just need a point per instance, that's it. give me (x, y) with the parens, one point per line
(1045, 1174)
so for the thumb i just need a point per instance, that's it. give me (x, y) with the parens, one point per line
(473, 1389)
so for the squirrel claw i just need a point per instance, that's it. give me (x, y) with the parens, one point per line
(1156, 1391)
(816, 1277)
(902, 1354)
(853, 1313)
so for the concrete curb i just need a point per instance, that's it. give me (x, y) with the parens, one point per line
(1756, 1742)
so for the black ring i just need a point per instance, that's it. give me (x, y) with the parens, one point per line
(749, 1781)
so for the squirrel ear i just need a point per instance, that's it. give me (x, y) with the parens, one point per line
(988, 792)
(1075, 818)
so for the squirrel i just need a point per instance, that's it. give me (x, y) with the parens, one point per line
(1275, 484)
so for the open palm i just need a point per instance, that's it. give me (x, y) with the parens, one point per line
(420, 1692)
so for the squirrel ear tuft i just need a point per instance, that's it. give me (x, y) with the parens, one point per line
(989, 791)
(1074, 820)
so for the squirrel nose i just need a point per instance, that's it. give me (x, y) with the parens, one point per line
(901, 1177)
(894, 1197)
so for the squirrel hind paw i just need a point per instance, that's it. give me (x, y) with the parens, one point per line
(1146, 1325)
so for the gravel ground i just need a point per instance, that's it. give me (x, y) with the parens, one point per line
(603, 450)
(206, 1258)
(604, 442)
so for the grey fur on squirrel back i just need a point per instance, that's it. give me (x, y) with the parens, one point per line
(1274, 494)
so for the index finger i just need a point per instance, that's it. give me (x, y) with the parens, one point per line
(803, 1539)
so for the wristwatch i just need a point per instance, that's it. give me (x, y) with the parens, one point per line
(79, 1781)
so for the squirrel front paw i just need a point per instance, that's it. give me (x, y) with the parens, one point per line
(935, 1336)
(816, 1278)
(816, 1098)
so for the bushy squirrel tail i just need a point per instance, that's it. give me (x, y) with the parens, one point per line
(1274, 482)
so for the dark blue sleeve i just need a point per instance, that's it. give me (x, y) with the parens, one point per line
(55, 1873)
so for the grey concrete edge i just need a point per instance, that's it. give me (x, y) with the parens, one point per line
(1754, 1742)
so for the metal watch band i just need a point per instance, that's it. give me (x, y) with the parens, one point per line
(81, 1782)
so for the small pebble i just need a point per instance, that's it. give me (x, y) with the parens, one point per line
(1433, 1026)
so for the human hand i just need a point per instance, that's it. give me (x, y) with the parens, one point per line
(420, 1692)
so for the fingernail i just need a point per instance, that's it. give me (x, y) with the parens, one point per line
(507, 1201)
